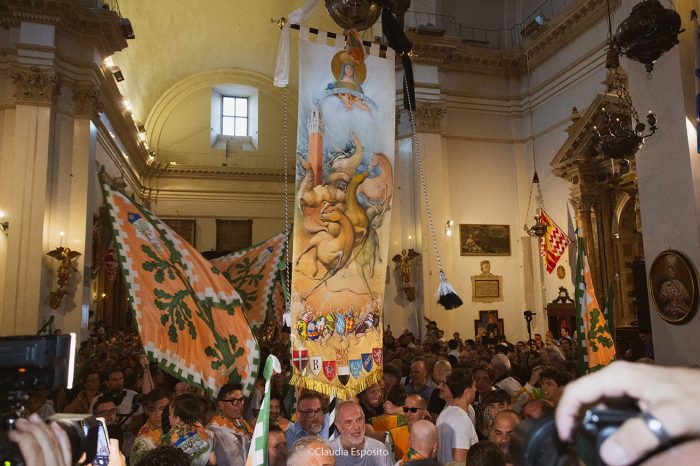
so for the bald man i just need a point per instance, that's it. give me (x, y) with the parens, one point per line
(537, 409)
(424, 442)
(504, 424)
(352, 447)
(436, 404)
(415, 408)
(310, 451)
(420, 383)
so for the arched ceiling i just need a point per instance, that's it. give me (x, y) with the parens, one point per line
(177, 39)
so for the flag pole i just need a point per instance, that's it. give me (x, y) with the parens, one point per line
(696, 42)
(543, 287)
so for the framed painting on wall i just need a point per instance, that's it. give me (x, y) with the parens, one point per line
(673, 283)
(233, 235)
(183, 227)
(484, 240)
(488, 324)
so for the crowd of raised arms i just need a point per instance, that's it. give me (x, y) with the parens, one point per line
(442, 400)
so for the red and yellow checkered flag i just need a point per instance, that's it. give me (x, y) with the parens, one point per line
(553, 243)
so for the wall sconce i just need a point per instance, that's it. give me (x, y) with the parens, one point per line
(448, 228)
(534, 25)
(127, 28)
(4, 223)
(66, 258)
(117, 73)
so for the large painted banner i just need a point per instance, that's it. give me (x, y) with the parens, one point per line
(344, 182)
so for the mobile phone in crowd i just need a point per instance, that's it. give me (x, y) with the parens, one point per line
(102, 449)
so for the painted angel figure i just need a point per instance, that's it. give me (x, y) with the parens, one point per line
(403, 263)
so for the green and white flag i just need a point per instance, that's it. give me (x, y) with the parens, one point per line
(257, 455)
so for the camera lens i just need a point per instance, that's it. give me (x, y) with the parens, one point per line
(535, 443)
(76, 437)
(82, 432)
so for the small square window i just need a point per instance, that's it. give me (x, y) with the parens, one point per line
(234, 116)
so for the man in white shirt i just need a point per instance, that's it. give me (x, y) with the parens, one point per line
(456, 430)
(352, 447)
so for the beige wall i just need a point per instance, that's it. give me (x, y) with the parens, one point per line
(479, 164)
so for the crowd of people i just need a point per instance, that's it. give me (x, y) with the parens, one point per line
(441, 401)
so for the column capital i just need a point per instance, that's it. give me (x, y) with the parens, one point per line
(87, 100)
(34, 86)
(429, 116)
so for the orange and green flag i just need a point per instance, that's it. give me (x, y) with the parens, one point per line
(190, 318)
(255, 273)
(596, 348)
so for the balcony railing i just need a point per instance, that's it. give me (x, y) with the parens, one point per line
(505, 38)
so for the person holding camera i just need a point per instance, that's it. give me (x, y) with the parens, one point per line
(666, 397)
(44, 444)
(129, 410)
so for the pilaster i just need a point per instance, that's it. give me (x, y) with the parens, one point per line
(35, 95)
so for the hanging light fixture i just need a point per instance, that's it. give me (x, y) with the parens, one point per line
(648, 32)
(354, 14)
(539, 229)
(621, 133)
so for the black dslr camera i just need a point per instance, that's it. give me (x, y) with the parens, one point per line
(29, 363)
(535, 442)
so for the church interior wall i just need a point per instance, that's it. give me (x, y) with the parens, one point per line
(482, 191)
(483, 154)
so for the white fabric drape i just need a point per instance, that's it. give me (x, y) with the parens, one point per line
(283, 49)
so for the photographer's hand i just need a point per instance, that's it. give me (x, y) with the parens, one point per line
(115, 456)
(40, 444)
(668, 394)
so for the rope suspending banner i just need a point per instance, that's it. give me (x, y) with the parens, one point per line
(447, 297)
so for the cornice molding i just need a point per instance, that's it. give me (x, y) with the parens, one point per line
(223, 173)
(97, 24)
(452, 55)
